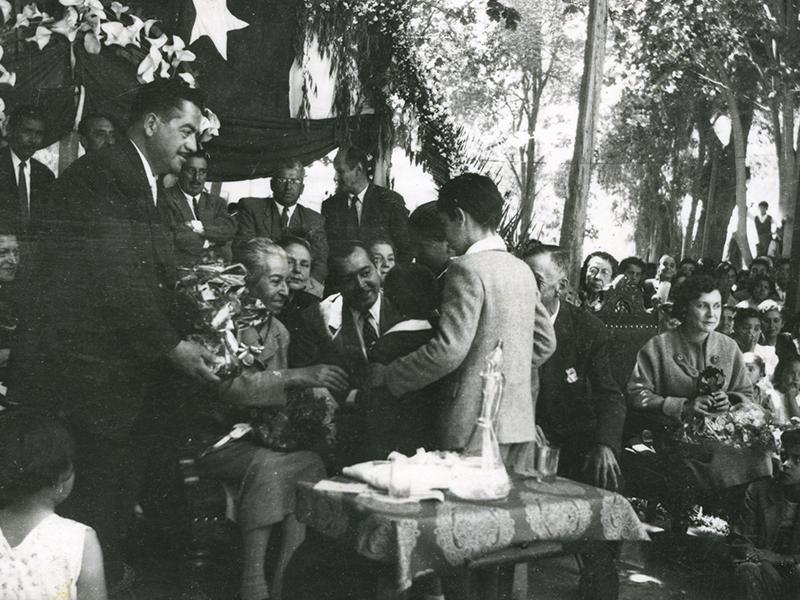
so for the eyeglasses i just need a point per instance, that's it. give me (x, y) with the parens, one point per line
(287, 181)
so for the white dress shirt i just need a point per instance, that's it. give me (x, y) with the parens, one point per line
(493, 242)
(360, 202)
(358, 318)
(152, 180)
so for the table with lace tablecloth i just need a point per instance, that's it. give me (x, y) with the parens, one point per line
(432, 536)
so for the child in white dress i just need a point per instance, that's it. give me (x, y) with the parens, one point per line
(42, 556)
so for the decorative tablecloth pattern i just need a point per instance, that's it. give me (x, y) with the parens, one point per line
(429, 536)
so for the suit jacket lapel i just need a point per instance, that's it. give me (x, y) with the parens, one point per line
(367, 209)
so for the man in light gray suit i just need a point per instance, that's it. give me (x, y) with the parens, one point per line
(489, 296)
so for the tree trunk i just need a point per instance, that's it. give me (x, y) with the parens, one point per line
(528, 191)
(573, 225)
(383, 153)
(740, 161)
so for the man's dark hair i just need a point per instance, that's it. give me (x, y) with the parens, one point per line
(790, 437)
(341, 253)
(354, 156)
(689, 291)
(764, 203)
(424, 222)
(632, 260)
(557, 254)
(25, 111)
(754, 281)
(86, 122)
(289, 164)
(199, 153)
(476, 195)
(761, 260)
(8, 224)
(35, 451)
(412, 290)
(163, 96)
(742, 314)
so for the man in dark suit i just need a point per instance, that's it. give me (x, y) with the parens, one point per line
(363, 211)
(580, 408)
(341, 330)
(24, 181)
(96, 341)
(200, 223)
(281, 215)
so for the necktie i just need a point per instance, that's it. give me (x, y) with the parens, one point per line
(196, 207)
(24, 207)
(354, 213)
(368, 331)
(285, 218)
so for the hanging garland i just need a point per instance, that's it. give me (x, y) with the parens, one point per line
(88, 22)
(372, 56)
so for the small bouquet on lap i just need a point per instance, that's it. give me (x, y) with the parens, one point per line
(745, 425)
(219, 312)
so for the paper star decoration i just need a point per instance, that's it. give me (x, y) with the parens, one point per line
(215, 20)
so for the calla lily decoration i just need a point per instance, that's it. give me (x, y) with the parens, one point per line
(209, 126)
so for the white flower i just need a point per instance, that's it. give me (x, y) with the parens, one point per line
(209, 126)
(41, 37)
(118, 8)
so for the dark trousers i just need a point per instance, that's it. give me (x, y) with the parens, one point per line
(108, 475)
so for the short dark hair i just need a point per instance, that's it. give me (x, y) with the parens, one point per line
(600, 254)
(783, 365)
(724, 268)
(559, 255)
(764, 203)
(289, 164)
(742, 314)
(25, 111)
(35, 451)
(754, 280)
(199, 153)
(790, 437)
(341, 253)
(690, 290)
(424, 222)
(163, 96)
(9, 224)
(412, 290)
(380, 240)
(476, 195)
(761, 260)
(354, 156)
(631, 260)
(783, 261)
(86, 121)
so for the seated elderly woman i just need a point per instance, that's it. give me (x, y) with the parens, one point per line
(597, 273)
(265, 478)
(665, 383)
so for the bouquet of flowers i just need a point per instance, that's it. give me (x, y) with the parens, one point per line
(305, 423)
(215, 306)
(745, 425)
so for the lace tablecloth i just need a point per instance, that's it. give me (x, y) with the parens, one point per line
(434, 536)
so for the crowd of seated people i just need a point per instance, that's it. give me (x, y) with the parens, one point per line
(387, 315)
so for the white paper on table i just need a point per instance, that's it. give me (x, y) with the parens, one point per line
(327, 485)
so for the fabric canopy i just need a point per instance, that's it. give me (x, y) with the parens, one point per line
(249, 91)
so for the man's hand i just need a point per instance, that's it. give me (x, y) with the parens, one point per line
(327, 376)
(193, 360)
(603, 466)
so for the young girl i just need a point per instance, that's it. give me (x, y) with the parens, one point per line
(42, 556)
(783, 399)
(758, 376)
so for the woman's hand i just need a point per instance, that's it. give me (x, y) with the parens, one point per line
(711, 404)
(328, 376)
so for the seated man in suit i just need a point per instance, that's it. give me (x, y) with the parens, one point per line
(580, 408)
(97, 131)
(281, 215)
(361, 210)
(766, 538)
(201, 227)
(24, 181)
(489, 296)
(341, 330)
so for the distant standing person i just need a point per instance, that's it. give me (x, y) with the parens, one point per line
(362, 211)
(24, 181)
(763, 223)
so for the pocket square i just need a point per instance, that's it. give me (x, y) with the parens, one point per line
(572, 376)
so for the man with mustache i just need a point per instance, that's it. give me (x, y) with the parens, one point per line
(97, 341)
